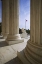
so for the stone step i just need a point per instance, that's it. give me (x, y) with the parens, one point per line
(29, 57)
(22, 57)
(35, 49)
(36, 53)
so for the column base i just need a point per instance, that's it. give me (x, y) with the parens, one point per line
(5, 36)
(32, 54)
(22, 57)
(15, 42)
(1, 36)
(14, 39)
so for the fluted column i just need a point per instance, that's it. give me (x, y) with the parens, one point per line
(36, 36)
(13, 21)
(33, 50)
(5, 18)
(32, 19)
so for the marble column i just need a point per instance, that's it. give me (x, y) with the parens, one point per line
(33, 50)
(5, 18)
(14, 36)
(36, 36)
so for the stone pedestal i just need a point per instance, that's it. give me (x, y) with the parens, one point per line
(32, 54)
(14, 36)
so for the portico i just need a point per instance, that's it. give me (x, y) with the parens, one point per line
(32, 54)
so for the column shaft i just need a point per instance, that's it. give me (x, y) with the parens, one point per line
(35, 21)
(41, 22)
(5, 17)
(33, 50)
(13, 17)
(32, 19)
(13, 21)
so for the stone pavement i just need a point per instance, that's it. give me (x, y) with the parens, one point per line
(8, 53)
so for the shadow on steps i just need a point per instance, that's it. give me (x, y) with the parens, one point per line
(3, 43)
(14, 61)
